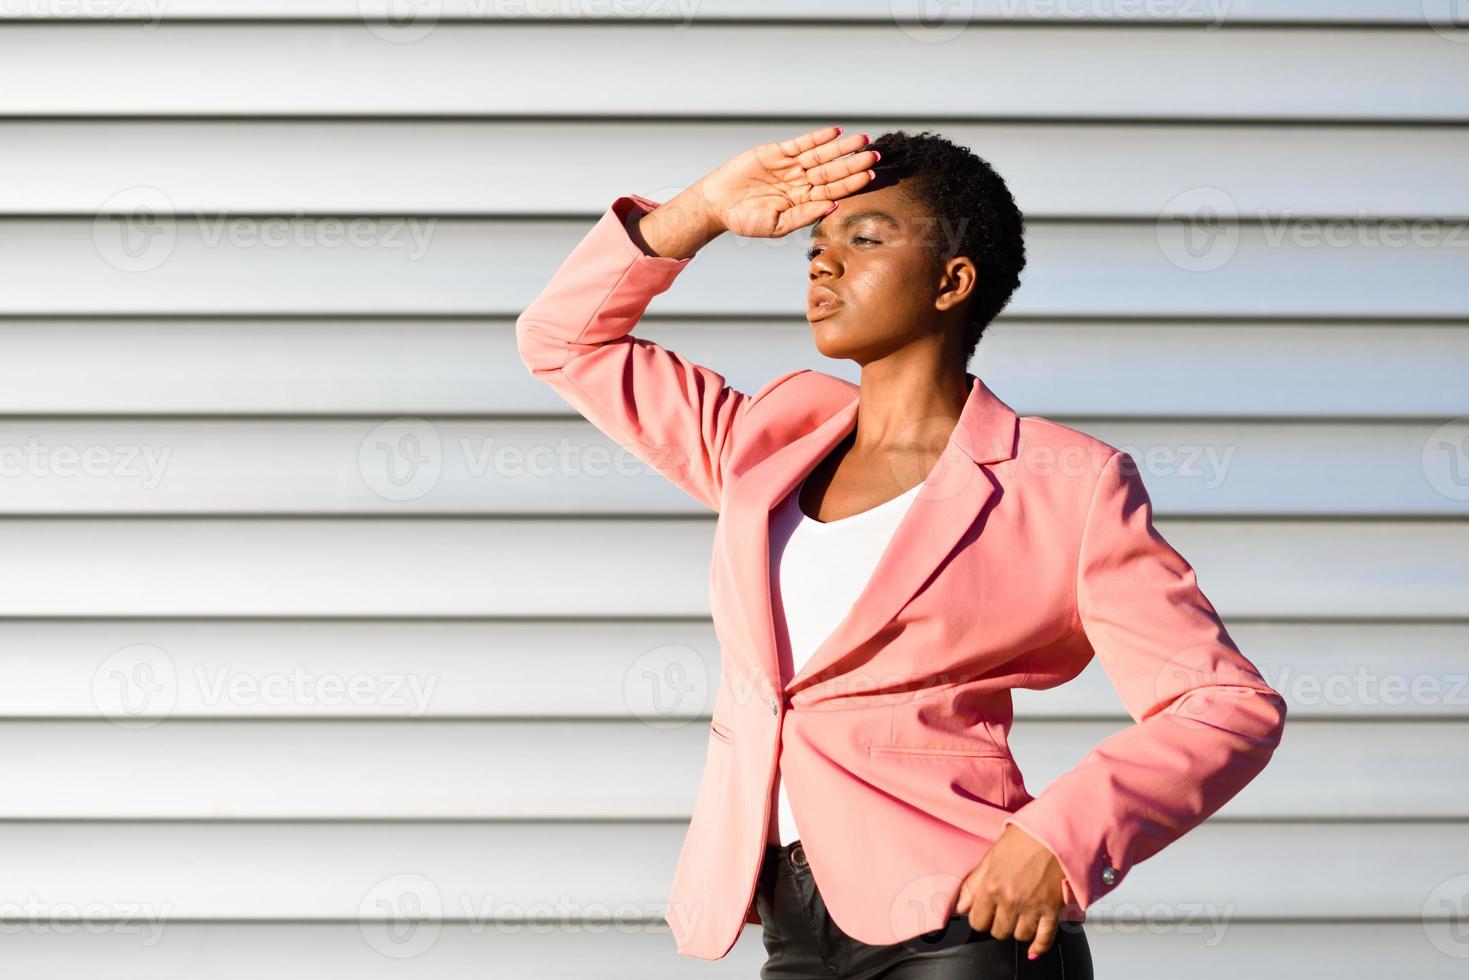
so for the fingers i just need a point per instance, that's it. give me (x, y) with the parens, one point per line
(798, 146)
(1002, 920)
(1045, 934)
(1036, 922)
(982, 913)
(800, 216)
(839, 189)
(847, 166)
(826, 146)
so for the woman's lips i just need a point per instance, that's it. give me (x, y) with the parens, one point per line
(823, 309)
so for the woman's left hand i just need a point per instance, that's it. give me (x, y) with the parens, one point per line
(1015, 890)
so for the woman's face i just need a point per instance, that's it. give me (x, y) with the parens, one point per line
(875, 284)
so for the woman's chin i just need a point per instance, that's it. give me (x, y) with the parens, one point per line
(827, 348)
(832, 341)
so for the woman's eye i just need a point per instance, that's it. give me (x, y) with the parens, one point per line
(814, 250)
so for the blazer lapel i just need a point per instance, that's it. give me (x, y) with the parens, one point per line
(954, 494)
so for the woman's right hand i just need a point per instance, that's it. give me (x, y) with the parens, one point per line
(772, 189)
(766, 191)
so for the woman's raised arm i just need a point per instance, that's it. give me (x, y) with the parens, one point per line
(680, 417)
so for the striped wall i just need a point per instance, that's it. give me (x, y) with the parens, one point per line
(335, 645)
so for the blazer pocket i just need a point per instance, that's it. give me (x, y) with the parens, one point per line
(982, 773)
(721, 731)
(979, 752)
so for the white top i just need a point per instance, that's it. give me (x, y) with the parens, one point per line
(817, 570)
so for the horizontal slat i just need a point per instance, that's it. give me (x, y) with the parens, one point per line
(603, 770)
(1325, 670)
(601, 668)
(414, 265)
(523, 69)
(539, 770)
(610, 950)
(1322, 770)
(571, 871)
(1237, 369)
(910, 11)
(436, 367)
(606, 567)
(464, 167)
(1210, 948)
(555, 467)
(1226, 950)
(508, 669)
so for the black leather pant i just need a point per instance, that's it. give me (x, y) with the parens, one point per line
(801, 940)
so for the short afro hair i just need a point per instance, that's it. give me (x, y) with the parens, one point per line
(975, 215)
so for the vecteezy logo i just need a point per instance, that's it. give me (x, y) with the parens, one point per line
(134, 230)
(1444, 914)
(1198, 230)
(400, 21)
(1448, 18)
(932, 21)
(666, 685)
(1202, 686)
(135, 687)
(401, 459)
(662, 195)
(401, 915)
(931, 896)
(1446, 459)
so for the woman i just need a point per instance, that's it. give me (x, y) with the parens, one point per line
(891, 560)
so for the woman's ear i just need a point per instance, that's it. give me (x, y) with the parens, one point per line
(957, 279)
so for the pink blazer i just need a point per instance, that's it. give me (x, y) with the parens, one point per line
(1030, 548)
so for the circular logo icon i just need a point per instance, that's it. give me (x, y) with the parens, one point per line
(136, 687)
(1444, 913)
(1198, 230)
(667, 685)
(921, 901)
(401, 915)
(1446, 459)
(135, 229)
(932, 21)
(400, 21)
(401, 459)
(1192, 679)
(1448, 18)
(665, 194)
(943, 474)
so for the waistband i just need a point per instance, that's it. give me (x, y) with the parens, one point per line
(792, 852)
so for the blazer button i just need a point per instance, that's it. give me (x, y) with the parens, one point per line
(1109, 875)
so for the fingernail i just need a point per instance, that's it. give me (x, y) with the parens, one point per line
(1030, 956)
(839, 130)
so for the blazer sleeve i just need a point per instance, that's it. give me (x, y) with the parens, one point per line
(1206, 721)
(677, 416)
